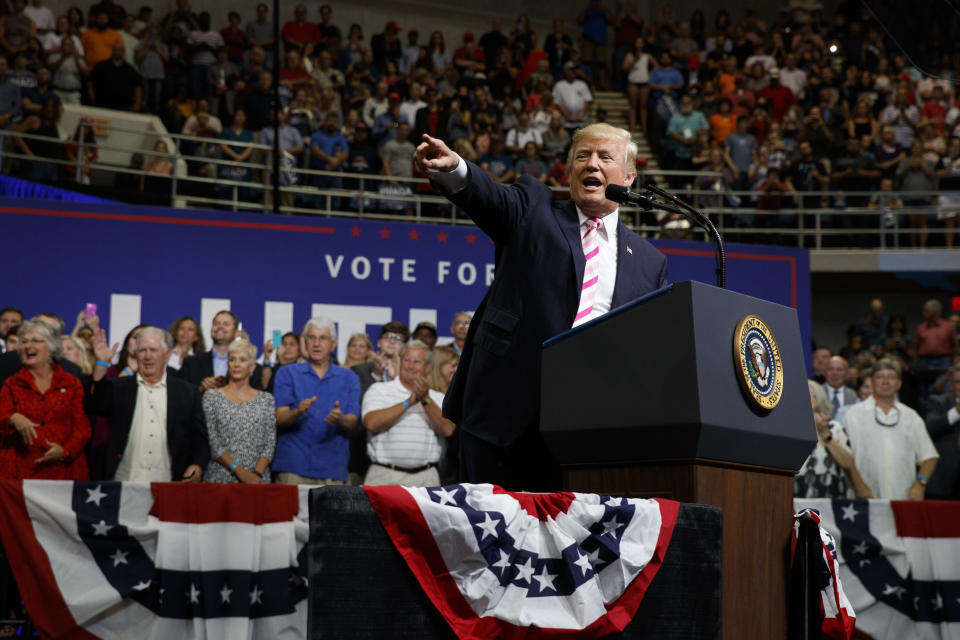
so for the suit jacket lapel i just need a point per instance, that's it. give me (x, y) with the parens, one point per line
(209, 363)
(127, 400)
(625, 271)
(569, 223)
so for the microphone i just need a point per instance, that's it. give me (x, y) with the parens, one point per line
(621, 195)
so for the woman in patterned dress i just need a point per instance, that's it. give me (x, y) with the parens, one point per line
(830, 470)
(241, 423)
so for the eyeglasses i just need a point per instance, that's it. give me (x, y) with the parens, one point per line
(396, 337)
(462, 323)
(417, 363)
(317, 338)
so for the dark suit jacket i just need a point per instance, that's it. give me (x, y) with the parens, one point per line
(187, 440)
(943, 483)
(421, 124)
(495, 394)
(197, 367)
(849, 395)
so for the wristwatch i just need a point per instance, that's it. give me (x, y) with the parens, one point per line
(922, 479)
(425, 401)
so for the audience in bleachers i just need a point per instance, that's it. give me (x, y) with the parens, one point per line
(843, 88)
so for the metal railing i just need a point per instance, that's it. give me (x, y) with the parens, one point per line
(793, 224)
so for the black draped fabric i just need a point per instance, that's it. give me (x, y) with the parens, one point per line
(360, 586)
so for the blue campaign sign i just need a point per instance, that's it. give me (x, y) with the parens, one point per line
(152, 265)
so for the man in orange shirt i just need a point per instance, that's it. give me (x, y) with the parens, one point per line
(98, 40)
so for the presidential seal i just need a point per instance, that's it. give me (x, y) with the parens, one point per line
(756, 359)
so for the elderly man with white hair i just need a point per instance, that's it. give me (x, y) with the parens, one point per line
(317, 408)
(405, 428)
(157, 428)
(559, 264)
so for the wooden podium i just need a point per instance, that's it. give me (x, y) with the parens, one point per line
(645, 402)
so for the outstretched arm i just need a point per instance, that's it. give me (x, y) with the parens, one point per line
(496, 209)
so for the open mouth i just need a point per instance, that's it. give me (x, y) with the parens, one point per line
(592, 184)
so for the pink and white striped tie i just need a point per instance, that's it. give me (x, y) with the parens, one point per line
(591, 270)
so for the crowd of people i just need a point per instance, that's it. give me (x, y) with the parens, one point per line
(805, 103)
(160, 406)
(886, 410)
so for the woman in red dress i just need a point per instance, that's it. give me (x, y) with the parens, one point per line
(42, 424)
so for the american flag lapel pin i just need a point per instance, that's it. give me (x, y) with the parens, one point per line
(629, 250)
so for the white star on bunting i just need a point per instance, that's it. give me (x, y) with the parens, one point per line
(101, 528)
(584, 563)
(225, 594)
(446, 497)
(489, 526)
(255, 595)
(120, 557)
(95, 495)
(545, 580)
(525, 571)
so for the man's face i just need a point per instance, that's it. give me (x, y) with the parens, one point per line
(151, 356)
(102, 20)
(886, 383)
(836, 372)
(930, 311)
(413, 365)
(262, 12)
(223, 330)
(289, 350)
(820, 359)
(597, 162)
(118, 52)
(319, 344)
(876, 308)
(403, 130)
(9, 321)
(425, 336)
(460, 326)
(325, 13)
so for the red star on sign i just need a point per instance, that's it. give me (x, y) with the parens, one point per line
(471, 238)
(355, 232)
(384, 233)
(441, 237)
(414, 235)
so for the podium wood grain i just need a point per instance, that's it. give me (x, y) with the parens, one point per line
(757, 508)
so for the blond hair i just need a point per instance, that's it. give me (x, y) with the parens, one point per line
(441, 356)
(606, 132)
(243, 346)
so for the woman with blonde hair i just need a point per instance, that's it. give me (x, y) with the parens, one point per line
(241, 422)
(443, 365)
(74, 350)
(359, 350)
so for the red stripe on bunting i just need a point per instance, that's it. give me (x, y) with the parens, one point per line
(401, 517)
(207, 503)
(926, 519)
(32, 570)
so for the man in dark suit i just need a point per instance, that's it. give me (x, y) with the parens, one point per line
(209, 370)
(841, 396)
(943, 425)
(543, 249)
(157, 428)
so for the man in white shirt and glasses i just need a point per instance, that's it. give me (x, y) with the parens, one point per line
(405, 428)
(893, 450)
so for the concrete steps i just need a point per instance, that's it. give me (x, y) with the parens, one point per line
(616, 105)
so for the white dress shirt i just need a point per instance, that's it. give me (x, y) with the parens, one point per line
(146, 457)
(607, 243)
